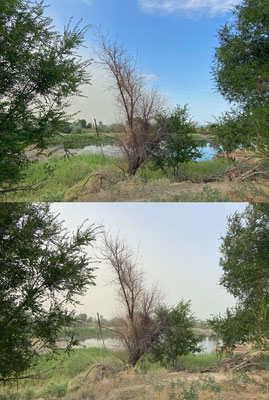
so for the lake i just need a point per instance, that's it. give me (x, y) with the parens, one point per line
(208, 152)
(208, 344)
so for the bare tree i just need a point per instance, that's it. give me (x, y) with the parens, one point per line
(138, 105)
(139, 328)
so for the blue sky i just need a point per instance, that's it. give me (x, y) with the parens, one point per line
(178, 245)
(174, 40)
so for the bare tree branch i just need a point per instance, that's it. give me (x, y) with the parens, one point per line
(139, 304)
(137, 104)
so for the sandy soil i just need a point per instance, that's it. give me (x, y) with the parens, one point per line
(163, 386)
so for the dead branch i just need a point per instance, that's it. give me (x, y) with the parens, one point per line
(139, 304)
(138, 105)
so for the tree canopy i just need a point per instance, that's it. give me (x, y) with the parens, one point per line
(39, 70)
(178, 145)
(241, 73)
(42, 271)
(245, 255)
(177, 337)
(241, 61)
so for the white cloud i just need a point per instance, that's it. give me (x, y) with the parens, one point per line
(211, 7)
(150, 77)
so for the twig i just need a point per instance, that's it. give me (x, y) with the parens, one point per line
(97, 133)
(101, 333)
(24, 188)
(246, 365)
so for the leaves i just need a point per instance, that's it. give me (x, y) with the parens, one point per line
(42, 270)
(39, 70)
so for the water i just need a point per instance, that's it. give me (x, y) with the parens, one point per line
(207, 151)
(208, 345)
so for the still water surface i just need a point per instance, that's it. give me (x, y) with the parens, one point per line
(207, 344)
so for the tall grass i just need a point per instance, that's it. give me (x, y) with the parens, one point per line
(59, 174)
(68, 372)
(196, 171)
(63, 177)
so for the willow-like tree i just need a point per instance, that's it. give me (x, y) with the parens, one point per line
(39, 70)
(241, 68)
(245, 259)
(42, 270)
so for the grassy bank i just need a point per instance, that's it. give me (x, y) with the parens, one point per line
(67, 372)
(87, 332)
(60, 174)
(64, 373)
(64, 178)
(78, 140)
(147, 381)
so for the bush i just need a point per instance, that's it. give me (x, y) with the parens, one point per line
(177, 338)
(179, 145)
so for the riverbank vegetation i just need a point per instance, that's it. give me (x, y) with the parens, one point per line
(107, 378)
(94, 177)
(150, 137)
(155, 343)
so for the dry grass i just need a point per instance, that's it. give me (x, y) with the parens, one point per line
(138, 190)
(161, 385)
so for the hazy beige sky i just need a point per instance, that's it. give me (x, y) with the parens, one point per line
(98, 102)
(179, 249)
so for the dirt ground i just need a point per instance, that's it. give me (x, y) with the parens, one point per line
(235, 378)
(230, 188)
(164, 190)
(170, 386)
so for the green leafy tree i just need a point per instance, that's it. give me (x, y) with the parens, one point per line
(39, 70)
(66, 127)
(232, 131)
(42, 271)
(83, 123)
(240, 67)
(76, 127)
(82, 318)
(177, 338)
(179, 146)
(245, 255)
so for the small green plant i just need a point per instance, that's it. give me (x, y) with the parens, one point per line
(89, 396)
(187, 393)
(209, 383)
(55, 389)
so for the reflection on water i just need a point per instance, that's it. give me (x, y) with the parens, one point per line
(208, 345)
(207, 150)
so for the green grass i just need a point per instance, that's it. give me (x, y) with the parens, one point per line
(68, 372)
(191, 363)
(62, 173)
(195, 363)
(66, 176)
(78, 140)
(196, 171)
(87, 332)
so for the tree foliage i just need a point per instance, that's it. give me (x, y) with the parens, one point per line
(42, 270)
(39, 70)
(177, 337)
(245, 255)
(241, 73)
(233, 130)
(178, 146)
(241, 61)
